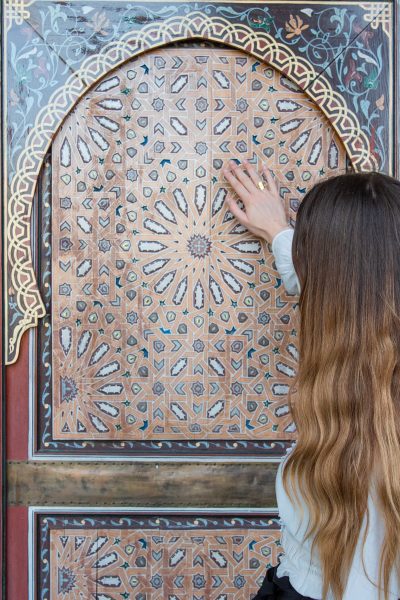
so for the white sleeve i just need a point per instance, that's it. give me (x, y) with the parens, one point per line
(282, 250)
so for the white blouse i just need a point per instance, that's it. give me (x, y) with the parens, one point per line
(282, 250)
(305, 574)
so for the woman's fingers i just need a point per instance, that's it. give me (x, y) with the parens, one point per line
(243, 178)
(236, 210)
(239, 188)
(271, 182)
(254, 176)
(246, 185)
(263, 212)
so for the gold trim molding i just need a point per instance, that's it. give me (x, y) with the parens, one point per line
(20, 282)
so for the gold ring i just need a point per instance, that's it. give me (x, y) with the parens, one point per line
(261, 185)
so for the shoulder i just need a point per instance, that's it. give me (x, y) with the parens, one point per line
(284, 504)
(290, 516)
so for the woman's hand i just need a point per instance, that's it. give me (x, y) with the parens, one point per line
(265, 215)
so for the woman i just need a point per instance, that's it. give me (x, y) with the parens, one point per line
(338, 490)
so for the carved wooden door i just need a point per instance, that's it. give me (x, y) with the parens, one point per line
(168, 332)
(158, 375)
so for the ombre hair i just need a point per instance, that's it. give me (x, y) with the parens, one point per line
(345, 399)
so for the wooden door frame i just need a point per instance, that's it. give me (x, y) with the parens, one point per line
(21, 451)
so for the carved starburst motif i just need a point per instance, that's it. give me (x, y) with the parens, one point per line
(199, 245)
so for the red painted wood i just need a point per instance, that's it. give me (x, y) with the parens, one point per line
(17, 404)
(15, 561)
(17, 553)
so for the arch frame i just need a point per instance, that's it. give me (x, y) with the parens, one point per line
(20, 289)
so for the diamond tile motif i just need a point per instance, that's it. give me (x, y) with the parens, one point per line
(169, 320)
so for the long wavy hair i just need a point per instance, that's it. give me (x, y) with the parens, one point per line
(345, 398)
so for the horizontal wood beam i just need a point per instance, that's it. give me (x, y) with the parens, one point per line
(141, 484)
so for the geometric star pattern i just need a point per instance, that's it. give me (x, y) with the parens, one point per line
(169, 319)
(108, 564)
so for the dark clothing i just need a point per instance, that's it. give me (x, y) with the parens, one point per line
(277, 588)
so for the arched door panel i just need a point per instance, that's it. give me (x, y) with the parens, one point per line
(170, 329)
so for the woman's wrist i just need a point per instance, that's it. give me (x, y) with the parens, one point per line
(273, 230)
